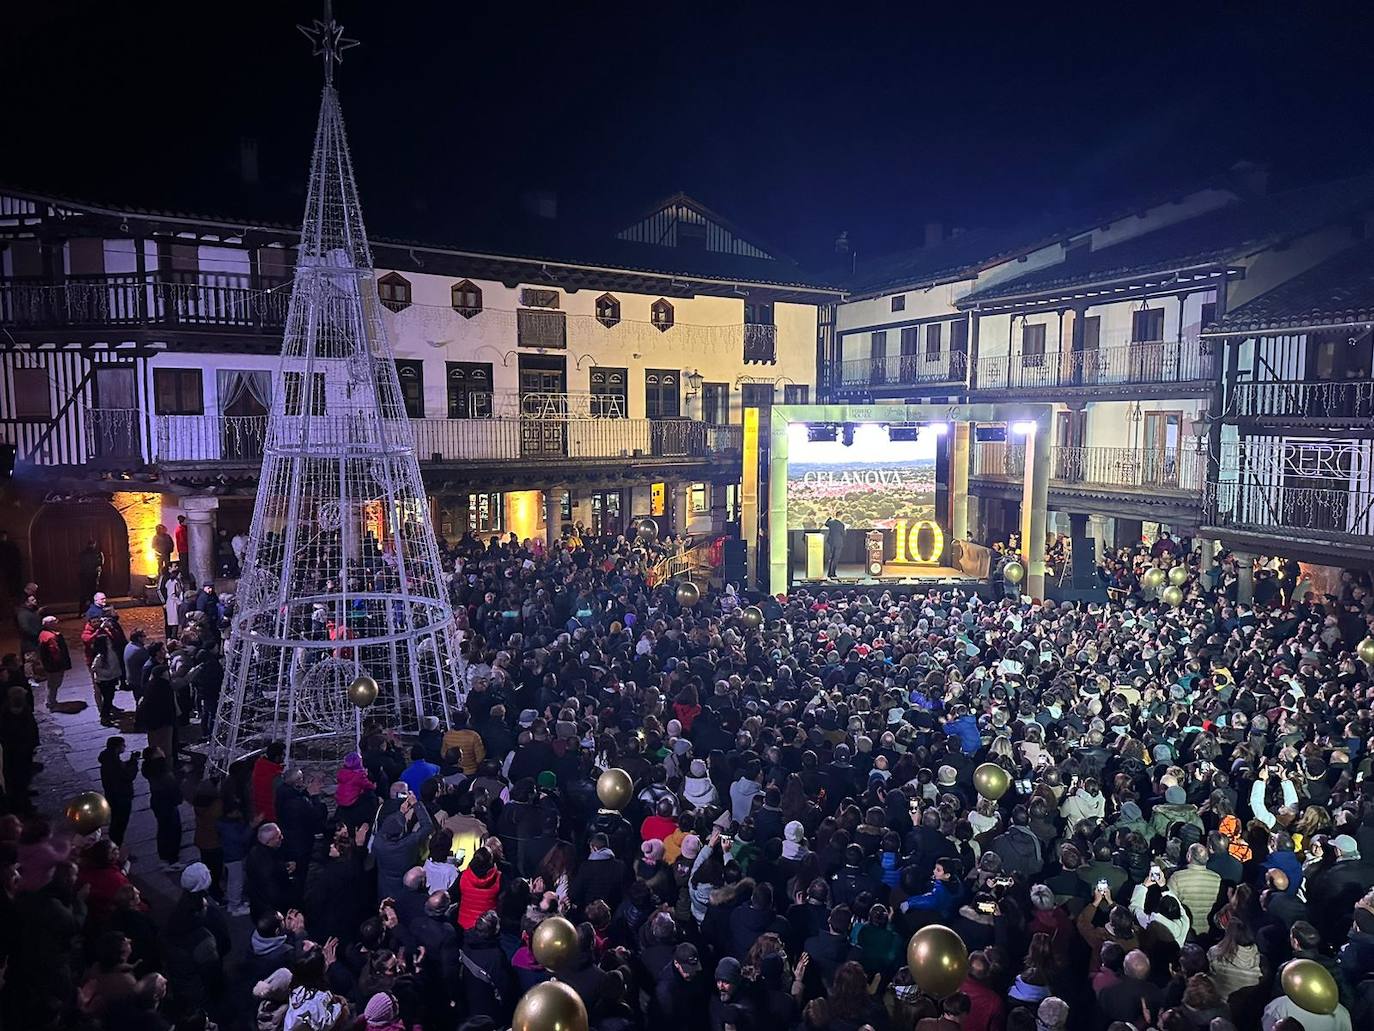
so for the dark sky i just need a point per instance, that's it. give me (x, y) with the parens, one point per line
(793, 122)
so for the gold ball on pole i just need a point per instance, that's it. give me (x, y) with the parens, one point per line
(363, 691)
(88, 812)
(991, 781)
(1172, 596)
(554, 944)
(1153, 577)
(1310, 986)
(1178, 575)
(551, 1006)
(937, 959)
(1014, 572)
(688, 594)
(614, 788)
(751, 616)
(1365, 650)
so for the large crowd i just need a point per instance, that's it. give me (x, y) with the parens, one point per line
(1188, 811)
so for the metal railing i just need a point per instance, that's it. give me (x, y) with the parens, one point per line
(903, 370)
(760, 342)
(1265, 507)
(1143, 363)
(209, 438)
(158, 298)
(1182, 469)
(1303, 399)
(697, 562)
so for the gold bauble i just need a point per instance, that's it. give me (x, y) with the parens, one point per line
(363, 691)
(554, 944)
(688, 594)
(88, 812)
(1014, 572)
(751, 616)
(937, 959)
(1365, 650)
(551, 1006)
(1172, 596)
(1178, 575)
(1153, 577)
(614, 788)
(1310, 986)
(991, 781)
(646, 529)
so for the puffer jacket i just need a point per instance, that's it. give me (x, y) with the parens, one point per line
(965, 728)
(1239, 970)
(1020, 851)
(699, 792)
(1082, 806)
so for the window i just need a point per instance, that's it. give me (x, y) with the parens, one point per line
(757, 395)
(537, 298)
(565, 507)
(537, 328)
(607, 310)
(760, 314)
(411, 373)
(610, 396)
(469, 390)
(958, 336)
(877, 354)
(394, 291)
(1033, 346)
(662, 399)
(796, 393)
(294, 403)
(899, 302)
(1147, 325)
(1209, 314)
(606, 512)
(715, 404)
(486, 512)
(467, 298)
(934, 341)
(32, 394)
(911, 337)
(177, 392)
(699, 502)
(661, 315)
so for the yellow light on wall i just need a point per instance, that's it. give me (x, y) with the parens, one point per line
(524, 509)
(141, 513)
(658, 493)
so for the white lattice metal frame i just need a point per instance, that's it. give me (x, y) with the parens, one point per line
(342, 573)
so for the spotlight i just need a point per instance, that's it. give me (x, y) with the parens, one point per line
(847, 437)
(939, 428)
(903, 433)
(1022, 428)
(871, 436)
(821, 432)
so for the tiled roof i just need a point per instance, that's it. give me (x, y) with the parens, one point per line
(1337, 292)
(1216, 238)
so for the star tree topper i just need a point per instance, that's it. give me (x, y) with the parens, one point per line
(327, 38)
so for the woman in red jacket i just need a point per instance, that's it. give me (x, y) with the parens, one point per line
(686, 709)
(102, 869)
(478, 888)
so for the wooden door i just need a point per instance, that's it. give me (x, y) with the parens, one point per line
(543, 382)
(57, 537)
(115, 415)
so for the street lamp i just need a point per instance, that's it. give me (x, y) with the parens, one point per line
(694, 380)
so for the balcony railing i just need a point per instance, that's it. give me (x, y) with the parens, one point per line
(209, 438)
(1144, 363)
(1302, 399)
(760, 342)
(1264, 508)
(212, 299)
(903, 370)
(1182, 469)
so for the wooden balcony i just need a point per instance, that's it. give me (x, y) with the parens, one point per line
(204, 300)
(1181, 470)
(1341, 402)
(868, 375)
(1150, 368)
(1335, 513)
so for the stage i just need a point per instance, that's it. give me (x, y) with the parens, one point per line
(903, 578)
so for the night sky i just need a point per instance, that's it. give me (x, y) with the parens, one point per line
(796, 123)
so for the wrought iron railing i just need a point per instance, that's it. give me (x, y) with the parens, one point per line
(212, 299)
(903, 370)
(760, 342)
(211, 437)
(1304, 399)
(1143, 363)
(1266, 507)
(697, 562)
(1182, 469)
(114, 434)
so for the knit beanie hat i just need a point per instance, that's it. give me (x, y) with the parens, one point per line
(1175, 796)
(691, 847)
(196, 877)
(652, 850)
(698, 768)
(1130, 812)
(381, 1009)
(794, 832)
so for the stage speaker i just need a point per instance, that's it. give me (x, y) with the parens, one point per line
(732, 562)
(1084, 554)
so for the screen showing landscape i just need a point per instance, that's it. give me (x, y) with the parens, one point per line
(872, 483)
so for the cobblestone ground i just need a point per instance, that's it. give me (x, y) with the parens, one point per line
(69, 746)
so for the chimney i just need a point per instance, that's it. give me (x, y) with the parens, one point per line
(935, 233)
(540, 203)
(248, 161)
(1251, 179)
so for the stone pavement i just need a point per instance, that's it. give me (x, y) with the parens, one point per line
(69, 746)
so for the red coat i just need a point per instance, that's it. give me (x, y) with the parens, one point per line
(105, 882)
(476, 895)
(265, 774)
(179, 535)
(686, 715)
(987, 1009)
